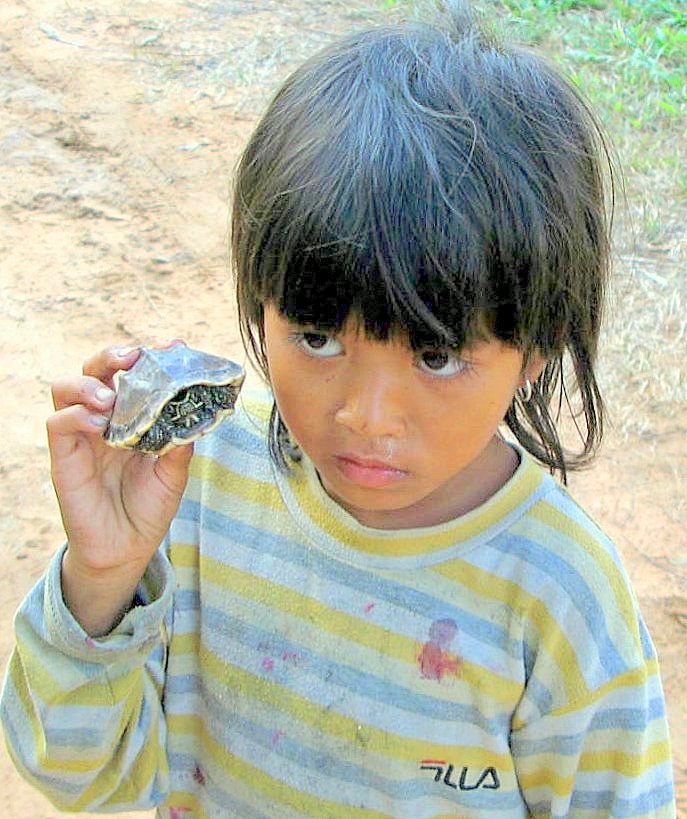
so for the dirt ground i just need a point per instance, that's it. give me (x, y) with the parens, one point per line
(120, 125)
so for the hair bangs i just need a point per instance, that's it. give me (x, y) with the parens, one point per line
(365, 214)
(381, 281)
(431, 183)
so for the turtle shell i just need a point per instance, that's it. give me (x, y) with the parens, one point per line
(171, 397)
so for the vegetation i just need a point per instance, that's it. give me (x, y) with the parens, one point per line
(629, 57)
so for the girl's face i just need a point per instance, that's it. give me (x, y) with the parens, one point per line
(399, 438)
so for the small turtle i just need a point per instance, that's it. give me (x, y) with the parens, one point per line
(171, 397)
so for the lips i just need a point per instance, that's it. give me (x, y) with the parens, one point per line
(368, 472)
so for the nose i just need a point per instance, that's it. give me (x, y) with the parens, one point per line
(372, 404)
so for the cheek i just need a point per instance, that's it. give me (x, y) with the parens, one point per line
(301, 404)
(474, 415)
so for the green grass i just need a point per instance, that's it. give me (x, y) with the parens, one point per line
(629, 57)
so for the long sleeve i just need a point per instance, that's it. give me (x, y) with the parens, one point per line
(606, 754)
(82, 717)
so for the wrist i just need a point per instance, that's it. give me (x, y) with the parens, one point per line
(98, 598)
(102, 578)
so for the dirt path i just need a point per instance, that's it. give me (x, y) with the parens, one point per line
(118, 135)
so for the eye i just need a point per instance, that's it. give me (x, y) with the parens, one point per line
(318, 345)
(442, 363)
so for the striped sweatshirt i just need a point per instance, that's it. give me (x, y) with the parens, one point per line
(283, 660)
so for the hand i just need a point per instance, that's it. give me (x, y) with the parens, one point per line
(116, 504)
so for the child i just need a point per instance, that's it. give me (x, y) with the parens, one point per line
(366, 601)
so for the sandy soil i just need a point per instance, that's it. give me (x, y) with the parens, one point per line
(121, 123)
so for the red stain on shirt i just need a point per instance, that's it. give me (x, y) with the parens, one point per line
(435, 659)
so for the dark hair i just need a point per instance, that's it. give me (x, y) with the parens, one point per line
(428, 180)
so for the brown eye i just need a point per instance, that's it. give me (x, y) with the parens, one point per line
(442, 363)
(317, 345)
(316, 341)
(435, 359)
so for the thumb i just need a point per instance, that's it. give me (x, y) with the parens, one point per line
(172, 468)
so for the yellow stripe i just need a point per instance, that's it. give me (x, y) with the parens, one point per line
(188, 800)
(273, 788)
(630, 679)
(145, 768)
(91, 763)
(18, 678)
(25, 661)
(552, 637)
(226, 481)
(416, 541)
(102, 691)
(352, 629)
(630, 765)
(119, 786)
(328, 721)
(184, 555)
(256, 404)
(559, 521)
(310, 610)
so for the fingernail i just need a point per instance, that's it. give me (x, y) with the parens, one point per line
(123, 352)
(98, 420)
(104, 395)
(164, 345)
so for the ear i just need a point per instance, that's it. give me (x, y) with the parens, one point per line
(533, 368)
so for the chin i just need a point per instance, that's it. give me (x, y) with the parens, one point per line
(369, 500)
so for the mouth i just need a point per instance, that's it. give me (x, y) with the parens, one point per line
(368, 472)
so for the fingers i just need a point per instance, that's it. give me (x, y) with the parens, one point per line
(104, 364)
(172, 468)
(95, 388)
(84, 403)
(66, 427)
(66, 392)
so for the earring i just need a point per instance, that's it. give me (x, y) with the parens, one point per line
(525, 392)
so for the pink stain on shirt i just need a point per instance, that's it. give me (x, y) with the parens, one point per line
(267, 664)
(369, 607)
(435, 659)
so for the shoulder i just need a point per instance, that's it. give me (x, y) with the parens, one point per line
(554, 535)
(561, 538)
(575, 596)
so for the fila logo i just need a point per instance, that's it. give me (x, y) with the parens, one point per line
(488, 779)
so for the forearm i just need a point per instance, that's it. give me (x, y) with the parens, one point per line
(83, 718)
